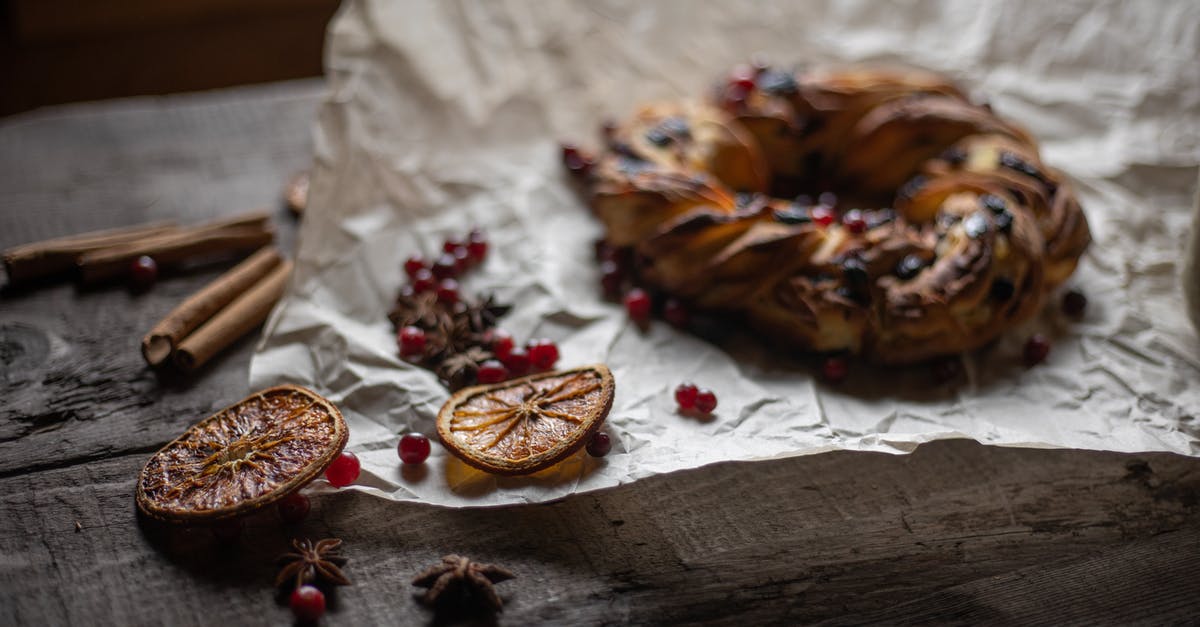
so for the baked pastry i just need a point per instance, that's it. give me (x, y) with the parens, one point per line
(936, 225)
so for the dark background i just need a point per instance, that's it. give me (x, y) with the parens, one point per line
(55, 51)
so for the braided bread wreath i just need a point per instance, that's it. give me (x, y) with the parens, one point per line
(946, 228)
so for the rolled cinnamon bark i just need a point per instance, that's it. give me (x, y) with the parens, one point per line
(161, 341)
(242, 233)
(57, 256)
(235, 320)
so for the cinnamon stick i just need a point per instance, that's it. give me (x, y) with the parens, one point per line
(161, 341)
(38, 260)
(237, 234)
(235, 320)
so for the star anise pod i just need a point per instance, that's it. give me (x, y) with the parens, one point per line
(482, 315)
(458, 370)
(458, 578)
(310, 562)
(421, 310)
(442, 340)
(456, 333)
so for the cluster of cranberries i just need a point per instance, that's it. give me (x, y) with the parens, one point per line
(690, 398)
(515, 361)
(441, 274)
(616, 281)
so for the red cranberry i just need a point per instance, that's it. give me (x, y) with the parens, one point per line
(143, 272)
(676, 314)
(307, 603)
(611, 278)
(542, 353)
(835, 369)
(491, 371)
(450, 245)
(447, 291)
(742, 77)
(422, 280)
(230, 530)
(477, 245)
(412, 341)
(574, 159)
(570, 153)
(600, 445)
(1073, 303)
(413, 448)
(293, 508)
(854, 221)
(706, 401)
(637, 304)
(685, 396)
(446, 267)
(501, 342)
(517, 361)
(343, 470)
(822, 215)
(1036, 349)
(462, 259)
(413, 264)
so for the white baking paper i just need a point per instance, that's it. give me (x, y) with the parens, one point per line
(443, 115)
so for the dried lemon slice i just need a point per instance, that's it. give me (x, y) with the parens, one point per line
(243, 457)
(527, 424)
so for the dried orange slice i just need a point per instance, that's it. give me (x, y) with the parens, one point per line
(243, 457)
(524, 425)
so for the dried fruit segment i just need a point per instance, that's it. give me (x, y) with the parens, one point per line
(527, 424)
(243, 457)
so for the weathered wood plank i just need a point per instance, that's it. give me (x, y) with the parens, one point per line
(956, 530)
(74, 385)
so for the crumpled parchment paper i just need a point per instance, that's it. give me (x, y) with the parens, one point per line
(443, 115)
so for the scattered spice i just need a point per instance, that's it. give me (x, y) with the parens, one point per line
(458, 579)
(442, 329)
(311, 562)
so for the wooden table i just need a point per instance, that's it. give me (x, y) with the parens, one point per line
(954, 532)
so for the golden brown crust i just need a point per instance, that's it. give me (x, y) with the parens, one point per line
(695, 136)
(242, 458)
(968, 233)
(632, 197)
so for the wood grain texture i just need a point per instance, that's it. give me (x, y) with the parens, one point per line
(954, 533)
